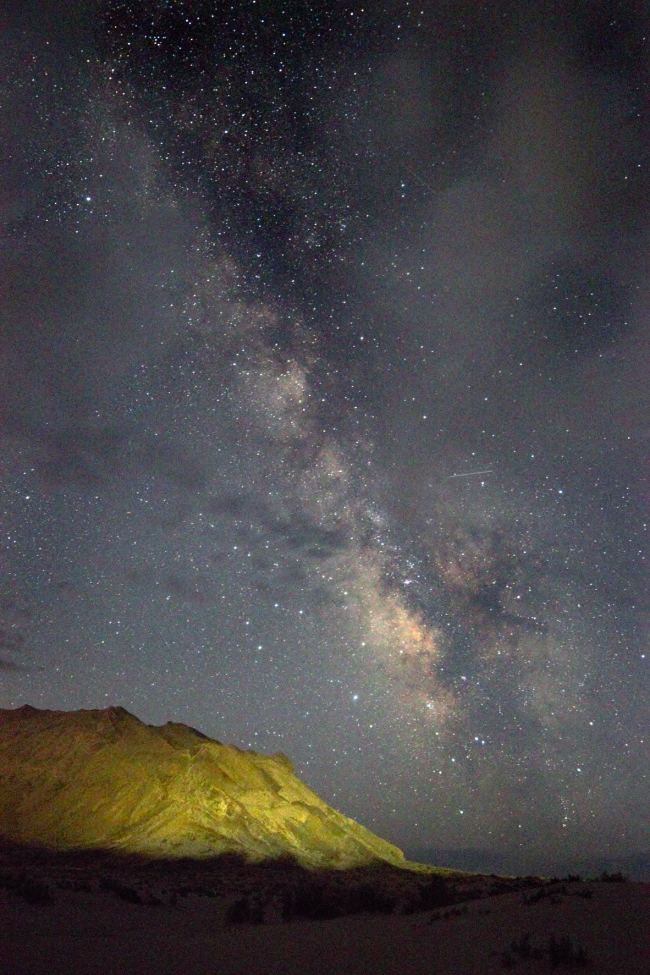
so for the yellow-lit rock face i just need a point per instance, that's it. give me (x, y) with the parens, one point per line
(104, 779)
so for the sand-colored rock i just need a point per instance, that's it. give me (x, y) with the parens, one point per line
(104, 779)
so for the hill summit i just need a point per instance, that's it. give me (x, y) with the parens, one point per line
(105, 780)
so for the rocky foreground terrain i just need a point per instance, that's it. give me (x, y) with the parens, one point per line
(94, 914)
(128, 849)
(105, 780)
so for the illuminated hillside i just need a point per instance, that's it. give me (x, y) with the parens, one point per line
(104, 779)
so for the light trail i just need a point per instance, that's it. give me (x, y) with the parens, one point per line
(471, 474)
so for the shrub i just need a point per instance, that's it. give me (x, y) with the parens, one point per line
(562, 952)
(522, 947)
(246, 910)
(34, 893)
(128, 894)
(435, 893)
(559, 953)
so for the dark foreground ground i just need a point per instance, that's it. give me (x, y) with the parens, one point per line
(101, 916)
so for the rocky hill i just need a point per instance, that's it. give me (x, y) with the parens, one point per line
(105, 780)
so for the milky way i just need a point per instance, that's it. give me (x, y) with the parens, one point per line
(324, 398)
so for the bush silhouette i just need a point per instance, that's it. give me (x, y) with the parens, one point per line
(34, 893)
(435, 893)
(121, 890)
(562, 952)
(246, 910)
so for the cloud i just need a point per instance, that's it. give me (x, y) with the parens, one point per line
(11, 640)
(82, 455)
(175, 464)
(10, 667)
(298, 531)
(90, 456)
(301, 534)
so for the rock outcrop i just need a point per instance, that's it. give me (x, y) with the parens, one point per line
(105, 780)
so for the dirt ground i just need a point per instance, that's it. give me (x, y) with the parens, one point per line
(598, 927)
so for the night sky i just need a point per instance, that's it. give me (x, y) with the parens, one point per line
(324, 380)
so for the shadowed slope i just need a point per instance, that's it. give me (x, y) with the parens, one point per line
(104, 779)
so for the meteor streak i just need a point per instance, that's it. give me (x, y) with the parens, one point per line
(471, 474)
